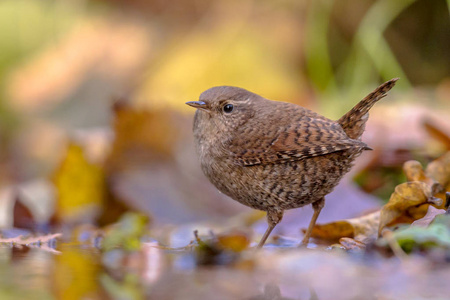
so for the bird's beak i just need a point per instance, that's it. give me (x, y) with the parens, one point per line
(198, 104)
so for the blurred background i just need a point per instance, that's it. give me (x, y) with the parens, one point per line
(93, 124)
(92, 115)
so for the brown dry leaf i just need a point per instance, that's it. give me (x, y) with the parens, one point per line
(22, 216)
(429, 217)
(439, 170)
(414, 172)
(141, 136)
(437, 133)
(80, 187)
(362, 228)
(408, 203)
(235, 241)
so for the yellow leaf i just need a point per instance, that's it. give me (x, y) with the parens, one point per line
(408, 203)
(235, 241)
(439, 170)
(414, 172)
(80, 187)
(361, 228)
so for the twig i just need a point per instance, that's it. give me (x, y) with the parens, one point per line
(398, 251)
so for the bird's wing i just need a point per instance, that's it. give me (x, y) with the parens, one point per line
(308, 138)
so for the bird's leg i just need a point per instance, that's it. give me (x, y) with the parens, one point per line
(317, 206)
(273, 218)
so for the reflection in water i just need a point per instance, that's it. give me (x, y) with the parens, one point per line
(82, 272)
(32, 273)
(75, 273)
(25, 273)
(127, 288)
(271, 292)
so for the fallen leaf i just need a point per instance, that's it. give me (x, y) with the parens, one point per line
(362, 228)
(141, 135)
(437, 175)
(437, 133)
(408, 203)
(439, 170)
(443, 219)
(80, 187)
(414, 172)
(127, 233)
(223, 249)
(22, 216)
(422, 238)
(432, 213)
(234, 241)
(207, 252)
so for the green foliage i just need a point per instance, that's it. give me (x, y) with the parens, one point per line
(127, 233)
(413, 239)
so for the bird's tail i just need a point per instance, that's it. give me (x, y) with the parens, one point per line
(354, 121)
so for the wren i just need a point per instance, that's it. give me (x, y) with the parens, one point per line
(272, 155)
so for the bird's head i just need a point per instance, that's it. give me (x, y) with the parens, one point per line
(224, 108)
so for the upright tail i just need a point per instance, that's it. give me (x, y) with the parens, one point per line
(355, 120)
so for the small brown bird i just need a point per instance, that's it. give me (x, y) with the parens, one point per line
(274, 156)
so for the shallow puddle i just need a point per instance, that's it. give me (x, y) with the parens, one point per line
(74, 271)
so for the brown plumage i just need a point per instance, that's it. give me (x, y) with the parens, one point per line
(274, 156)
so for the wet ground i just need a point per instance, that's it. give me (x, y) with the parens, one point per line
(75, 271)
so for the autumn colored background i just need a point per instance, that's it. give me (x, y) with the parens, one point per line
(93, 122)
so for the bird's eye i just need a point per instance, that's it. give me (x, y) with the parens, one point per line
(227, 108)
